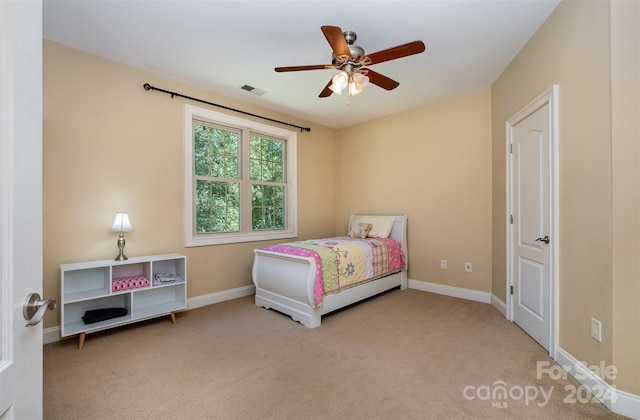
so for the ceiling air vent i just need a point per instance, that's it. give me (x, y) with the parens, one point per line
(253, 90)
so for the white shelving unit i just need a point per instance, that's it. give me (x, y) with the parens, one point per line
(90, 285)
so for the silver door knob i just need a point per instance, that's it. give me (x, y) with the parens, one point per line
(546, 239)
(34, 308)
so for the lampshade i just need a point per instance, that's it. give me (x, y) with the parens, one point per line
(339, 82)
(357, 84)
(122, 223)
(353, 81)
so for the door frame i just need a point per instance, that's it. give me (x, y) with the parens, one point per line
(550, 98)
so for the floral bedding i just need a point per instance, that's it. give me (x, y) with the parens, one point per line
(344, 262)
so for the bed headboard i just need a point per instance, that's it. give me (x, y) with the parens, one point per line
(398, 230)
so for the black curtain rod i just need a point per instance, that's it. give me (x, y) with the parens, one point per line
(147, 86)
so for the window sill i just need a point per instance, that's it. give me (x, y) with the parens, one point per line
(233, 238)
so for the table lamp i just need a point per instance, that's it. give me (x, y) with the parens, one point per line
(121, 224)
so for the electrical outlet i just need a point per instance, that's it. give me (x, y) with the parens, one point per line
(467, 267)
(596, 329)
(443, 264)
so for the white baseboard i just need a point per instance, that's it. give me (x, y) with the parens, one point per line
(499, 305)
(620, 402)
(443, 289)
(51, 335)
(211, 298)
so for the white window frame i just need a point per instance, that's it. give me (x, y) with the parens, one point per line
(190, 237)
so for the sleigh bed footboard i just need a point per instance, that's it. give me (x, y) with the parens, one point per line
(286, 283)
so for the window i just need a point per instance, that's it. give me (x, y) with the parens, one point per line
(240, 179)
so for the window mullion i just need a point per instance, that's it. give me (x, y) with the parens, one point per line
(245, 182)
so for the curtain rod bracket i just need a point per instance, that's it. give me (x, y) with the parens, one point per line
(148, 87)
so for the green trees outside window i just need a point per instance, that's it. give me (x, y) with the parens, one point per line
(267, 183)
(221, 183)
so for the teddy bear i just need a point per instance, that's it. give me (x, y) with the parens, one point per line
(365, 228)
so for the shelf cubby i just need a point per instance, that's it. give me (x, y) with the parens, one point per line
(86, 283)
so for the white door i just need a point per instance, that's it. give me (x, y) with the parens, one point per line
(531, 135)
(20, 206)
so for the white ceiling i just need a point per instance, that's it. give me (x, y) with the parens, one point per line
(223, 45)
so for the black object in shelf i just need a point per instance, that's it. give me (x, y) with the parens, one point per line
(96, 315)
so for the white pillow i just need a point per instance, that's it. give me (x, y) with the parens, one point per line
(381, 225)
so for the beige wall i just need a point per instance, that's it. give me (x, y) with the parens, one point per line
(432, 163)
(625, 139)
(109, 145)
(572, 49)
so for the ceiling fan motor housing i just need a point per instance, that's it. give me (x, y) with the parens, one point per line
(356, 51)
(350, 37)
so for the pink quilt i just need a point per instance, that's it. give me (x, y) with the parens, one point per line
(344, 262)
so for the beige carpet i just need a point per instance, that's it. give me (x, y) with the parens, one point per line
(402, 355)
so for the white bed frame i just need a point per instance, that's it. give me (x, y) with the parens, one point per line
(286, 282)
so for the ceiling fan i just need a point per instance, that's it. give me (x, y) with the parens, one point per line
(351, 60)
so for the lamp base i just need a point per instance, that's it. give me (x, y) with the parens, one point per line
(121, 243)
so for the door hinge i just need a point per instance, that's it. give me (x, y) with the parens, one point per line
(511, 289)
(511, 148)
(511, 218)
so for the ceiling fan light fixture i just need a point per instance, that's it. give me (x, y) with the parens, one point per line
(353, 89)
(339, 82)
(358, 83)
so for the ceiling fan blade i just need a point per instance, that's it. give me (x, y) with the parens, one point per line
(400, 51)
(383, 81)
(326, 91)
(300, 68)
(336, 39)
